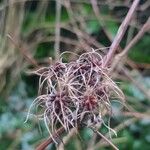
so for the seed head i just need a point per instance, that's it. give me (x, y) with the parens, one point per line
(75, 93)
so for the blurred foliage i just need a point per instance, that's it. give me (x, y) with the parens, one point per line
(17, 135)
(141, 50)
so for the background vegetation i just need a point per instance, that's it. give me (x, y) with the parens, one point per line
(37, 32)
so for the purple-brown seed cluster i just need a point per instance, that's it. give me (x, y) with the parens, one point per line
(75, 93)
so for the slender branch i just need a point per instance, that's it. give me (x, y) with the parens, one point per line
(117, 129)
(91, 143)
(57, 29)
(120, 33)
(23, 51)
(100, 18)
(138, 84)
(48, 141)
(107, 140)
(137, 115)
(139, 35)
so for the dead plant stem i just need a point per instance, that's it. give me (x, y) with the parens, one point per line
(106, 139)
(121, 31)
(57, 29)
(48, 141)
(139, 35)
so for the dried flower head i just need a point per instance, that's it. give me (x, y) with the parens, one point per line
(75, 93)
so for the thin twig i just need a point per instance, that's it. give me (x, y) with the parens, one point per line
(139, 35)
(23, 51)
(57, 29)
(121, 31)
(117, 129)
(75, 28)
(137, 115)
(100, 18)
(138, 84)
(114, 140)
(107, 140)
(138, 64)
(67, 138)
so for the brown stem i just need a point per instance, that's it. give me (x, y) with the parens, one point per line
(107, 140)
(120, 33)
(137, 115)
(139, 35)
(48, 141)
(57, 29)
